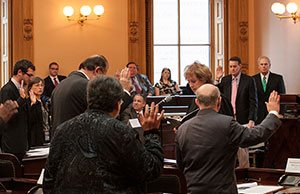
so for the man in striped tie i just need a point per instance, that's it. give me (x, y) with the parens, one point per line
(140, 83)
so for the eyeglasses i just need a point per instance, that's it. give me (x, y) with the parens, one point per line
(29, 75)
(54, 69)
(38, 85)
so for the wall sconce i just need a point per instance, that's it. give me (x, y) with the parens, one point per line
(279, 9)
(85, 11)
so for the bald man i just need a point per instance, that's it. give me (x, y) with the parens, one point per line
(207, 145)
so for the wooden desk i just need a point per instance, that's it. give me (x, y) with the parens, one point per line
(17, 185)
(284, 144)
(33, 166)
(264, 176)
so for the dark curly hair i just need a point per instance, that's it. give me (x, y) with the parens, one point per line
(104, 93)
(23, 65)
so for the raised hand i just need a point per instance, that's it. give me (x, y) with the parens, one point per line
(22, 90)
(8, 109)
(219, 72)
(151, 120)
(125, 79)
(33, 98)
(274, 102)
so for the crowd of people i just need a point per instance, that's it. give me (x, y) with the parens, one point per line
(86, 117)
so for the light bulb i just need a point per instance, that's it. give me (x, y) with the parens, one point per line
(68, 11)
(278, 8)
(98, 10)
(292, 7)
(85, 10)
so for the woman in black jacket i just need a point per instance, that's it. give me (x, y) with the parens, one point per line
(38, 114)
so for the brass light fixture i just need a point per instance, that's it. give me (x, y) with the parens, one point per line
(279, 9)
(85, 11)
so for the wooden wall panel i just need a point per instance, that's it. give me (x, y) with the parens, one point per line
(22, 30)
(238, 31)
(137, 33)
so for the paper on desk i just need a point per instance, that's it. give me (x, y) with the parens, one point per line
(293, 165)
(244, 186)
(40, 181)
(38, 152)
(172, 161)
(260, 189)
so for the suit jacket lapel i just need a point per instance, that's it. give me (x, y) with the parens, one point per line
(259, 86)
(241, 84)
(15, 89)
(270, 80)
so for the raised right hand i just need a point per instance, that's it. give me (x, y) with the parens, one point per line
(274, 102)
(151, 120)
(8, 109)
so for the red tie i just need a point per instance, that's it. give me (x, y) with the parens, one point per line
(55, 82)
(233, 94)
(137, 88)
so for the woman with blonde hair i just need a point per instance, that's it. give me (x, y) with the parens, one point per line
(198, 74)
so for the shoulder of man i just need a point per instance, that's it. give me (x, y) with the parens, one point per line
(276, 75)
(61, 77)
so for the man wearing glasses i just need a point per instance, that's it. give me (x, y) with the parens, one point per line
(14, 132)
(52, 80)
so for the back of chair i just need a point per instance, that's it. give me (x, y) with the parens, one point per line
(10, 166)
(171, 180)
(36, 190)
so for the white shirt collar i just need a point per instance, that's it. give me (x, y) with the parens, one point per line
(17, 84)
(87, 77)
(237, 77)
(52, 78)
(262, 76)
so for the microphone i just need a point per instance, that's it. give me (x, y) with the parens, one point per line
(166, 99)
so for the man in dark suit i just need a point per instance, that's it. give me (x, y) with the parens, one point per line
(245, 105)
(52, 80)
(241, 90)
(140, 83)
(133, 110)
(14, 134)
(206, 145)
(69, 97)
(95, 153)
(266, 82)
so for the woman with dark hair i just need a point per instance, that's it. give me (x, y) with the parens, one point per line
(38, 114)
(166, 86)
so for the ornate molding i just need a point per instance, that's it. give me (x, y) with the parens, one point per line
(28, 29)
(243, 29)
(133, 29)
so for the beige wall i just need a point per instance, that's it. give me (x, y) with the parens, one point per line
(279, 40)
(68, 43)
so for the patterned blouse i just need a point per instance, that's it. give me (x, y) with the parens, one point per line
(166, 88)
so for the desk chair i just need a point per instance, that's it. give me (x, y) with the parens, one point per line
(10, 166)
(171, 180)
(36, 190)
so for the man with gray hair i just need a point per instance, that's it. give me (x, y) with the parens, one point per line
(207, 145)
(96, 153)
(266, 82)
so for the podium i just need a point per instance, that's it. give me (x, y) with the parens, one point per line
(285, 142)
